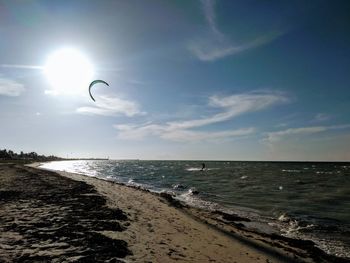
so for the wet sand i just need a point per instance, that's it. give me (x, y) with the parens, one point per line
(60, 217)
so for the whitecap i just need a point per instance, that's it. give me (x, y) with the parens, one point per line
(193, 191)
(193, 169)
(178, 186)
(130, 181)
(284, 218)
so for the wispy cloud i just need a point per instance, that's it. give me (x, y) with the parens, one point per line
(41, 67)
(9, 87)
(112, 106)
(272, 137)
(216, 45)
(166, 132)
(230, 106)
(209, 13)
(193, 136)
(21, 66)
(213, 49)
(136, 82)
(233, 106)
(322, 117)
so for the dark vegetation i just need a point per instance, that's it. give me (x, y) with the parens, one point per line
(8, 155)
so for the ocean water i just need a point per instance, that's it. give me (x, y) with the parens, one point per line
(300, 200)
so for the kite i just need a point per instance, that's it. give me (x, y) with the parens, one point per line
(95, 82)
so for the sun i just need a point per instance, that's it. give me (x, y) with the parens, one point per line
(68, 71)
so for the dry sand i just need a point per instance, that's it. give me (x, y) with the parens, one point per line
(45, 217)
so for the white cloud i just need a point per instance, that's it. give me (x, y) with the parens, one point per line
(231, 106)
(9, 87)
(272, 137)
(112, 106)
(281, 125)
(279, 135)
(51, 92)
(130, 131)
(216, 45)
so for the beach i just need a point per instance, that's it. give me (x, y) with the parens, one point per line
(64, 217)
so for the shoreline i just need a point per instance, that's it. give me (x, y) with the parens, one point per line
(159, 228)
(272, 245)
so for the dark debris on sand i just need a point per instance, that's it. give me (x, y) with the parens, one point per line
(45, 217)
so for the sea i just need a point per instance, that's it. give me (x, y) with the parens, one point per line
(303, 200)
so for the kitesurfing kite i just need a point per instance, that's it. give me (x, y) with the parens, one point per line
(95, 82)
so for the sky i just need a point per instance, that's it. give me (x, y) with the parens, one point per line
(188, 80)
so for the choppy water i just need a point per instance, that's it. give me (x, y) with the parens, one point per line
(300, 200)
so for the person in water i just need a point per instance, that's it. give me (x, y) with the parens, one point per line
(203, 166)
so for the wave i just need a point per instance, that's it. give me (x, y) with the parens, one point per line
(308, 228)
(196, 169)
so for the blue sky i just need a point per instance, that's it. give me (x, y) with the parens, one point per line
(204, 79)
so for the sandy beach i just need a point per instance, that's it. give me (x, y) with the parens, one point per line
(62, 217)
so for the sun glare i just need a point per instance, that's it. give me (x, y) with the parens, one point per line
(68, 71)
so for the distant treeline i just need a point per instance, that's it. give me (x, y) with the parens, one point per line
(32, 156)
